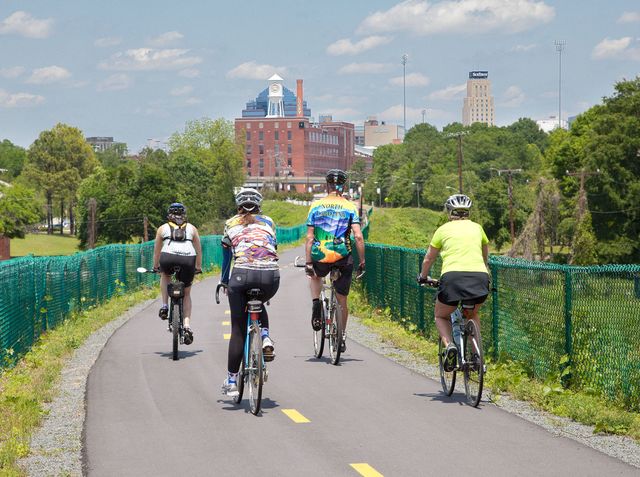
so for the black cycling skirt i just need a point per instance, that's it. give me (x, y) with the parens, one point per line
(186, 263)
(470, 287)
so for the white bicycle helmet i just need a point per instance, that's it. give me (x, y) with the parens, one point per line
(249, 199)
(458, 202)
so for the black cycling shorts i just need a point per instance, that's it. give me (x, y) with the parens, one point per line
(345, 265)
(470, 287)
(186, 263)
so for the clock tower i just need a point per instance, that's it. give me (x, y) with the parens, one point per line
(276, 95)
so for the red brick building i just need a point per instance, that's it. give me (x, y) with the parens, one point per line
(290, 146)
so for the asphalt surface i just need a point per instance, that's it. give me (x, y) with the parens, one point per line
(150, 416)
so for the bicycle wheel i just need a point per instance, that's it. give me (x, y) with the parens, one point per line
(175, 327)
(335, 332)
(474, 365)
(447, 378)
(255, 370)
(241, 378)
(318, 336)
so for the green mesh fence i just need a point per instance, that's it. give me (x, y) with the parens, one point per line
(40, 292)
(537, 314)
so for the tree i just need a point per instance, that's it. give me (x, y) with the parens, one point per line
(56, 163)
(18, 210)
(12, 158)
(584, 242)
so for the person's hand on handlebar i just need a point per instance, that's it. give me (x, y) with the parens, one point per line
(432, 282)
(308, 269)
(361, 269)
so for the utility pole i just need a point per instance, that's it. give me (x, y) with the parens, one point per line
(582, 194)
(560, 44)
(424, 112)
(510, 173)
(145, 225)
(404, 59)
(91, 242)
(417, 184)
(459, 136)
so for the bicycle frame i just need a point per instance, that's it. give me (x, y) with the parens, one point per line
(254, 308)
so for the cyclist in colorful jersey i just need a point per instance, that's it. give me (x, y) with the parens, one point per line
(250, 238)
(329, 225)
(464, 247)
(177, 245)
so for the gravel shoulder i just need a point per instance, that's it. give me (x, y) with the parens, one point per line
(56, 448)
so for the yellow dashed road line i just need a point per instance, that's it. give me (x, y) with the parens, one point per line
(227, 336)
(226, 323)
(227, 312)
(366, 470)
(295, 416)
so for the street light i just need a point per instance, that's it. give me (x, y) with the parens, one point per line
(559, 47)
(417, 184)
(404, 59)
(379, 191)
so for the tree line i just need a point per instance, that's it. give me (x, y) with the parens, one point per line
(575, 194)
(60, 173)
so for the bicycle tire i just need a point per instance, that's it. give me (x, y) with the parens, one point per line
(335, 332)
(175, 328)
(255, 377)
(319, 336)
(240, 382)
(474, 365)
(447, 379)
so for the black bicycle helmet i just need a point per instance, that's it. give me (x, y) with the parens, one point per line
(336, 176)
(249, 199)
(177, 209)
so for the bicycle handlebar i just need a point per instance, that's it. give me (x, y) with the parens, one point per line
(430, 282)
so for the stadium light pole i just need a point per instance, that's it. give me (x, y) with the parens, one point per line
(404, 59)
(424, 112)
(560, 44)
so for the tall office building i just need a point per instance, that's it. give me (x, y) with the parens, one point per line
(478, 105)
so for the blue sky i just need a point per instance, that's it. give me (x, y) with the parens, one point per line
(139, 69)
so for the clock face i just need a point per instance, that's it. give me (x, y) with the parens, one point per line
(275, 88)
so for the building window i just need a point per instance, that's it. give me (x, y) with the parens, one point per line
(289, 148)
(261, 136)
(277, 149)
(248, 125)
(276, 135)
(289, 162)
(261, 149)
(248, 163)
(261, 173)
(261, 163)
(277, 125)
(261, 125)
(248, 136)
(289, 135)
(248, 149)
(288, 125)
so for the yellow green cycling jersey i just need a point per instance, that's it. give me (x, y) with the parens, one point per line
(460, 243)
(331, 218)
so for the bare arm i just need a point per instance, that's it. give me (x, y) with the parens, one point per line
(429, 258)
(485, 255)
(309, 243)
(157, 247)
(198, 246)
(357, 234)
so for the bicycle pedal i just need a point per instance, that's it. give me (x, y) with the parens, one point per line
(266, 376)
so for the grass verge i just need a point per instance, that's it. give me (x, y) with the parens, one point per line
(508, 377)
(43, 244)
(285, 214)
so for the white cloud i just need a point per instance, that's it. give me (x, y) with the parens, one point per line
(11, 72)
(629, 17)
(165, 39)
(107, 41)
(116, 82)
(189, 73)
(49, 74)
(364, 68)
(192, 101)
(464, 16)
(412, 79)
(148, 59)
(19, 100)
(181, 91)
(523, 48)
(252, 70)
(23, 24)
(448, 93)
(549, 94)
(346, 47)
(623, 48)
(513, 97)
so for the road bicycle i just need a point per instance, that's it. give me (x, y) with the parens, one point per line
(331, 329)
(175, 288)
(253, 370)
(470, 359)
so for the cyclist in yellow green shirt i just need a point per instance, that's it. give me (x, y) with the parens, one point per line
(464, 248)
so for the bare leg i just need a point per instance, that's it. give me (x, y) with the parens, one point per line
(342, 299)
(164, 281)
(186, 304)
(475, 317)
(443, 321)
(316, 287)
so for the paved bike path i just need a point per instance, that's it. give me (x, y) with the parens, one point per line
(149, 415)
